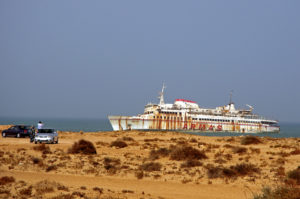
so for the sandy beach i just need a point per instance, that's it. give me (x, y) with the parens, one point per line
(144, 164)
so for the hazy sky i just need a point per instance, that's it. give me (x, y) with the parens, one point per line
(90, 59)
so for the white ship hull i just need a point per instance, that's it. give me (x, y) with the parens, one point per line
(136, 123)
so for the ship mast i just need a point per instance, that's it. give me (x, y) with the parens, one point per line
(161, 95)
(230, 99)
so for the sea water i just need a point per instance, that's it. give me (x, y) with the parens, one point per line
(99, 125)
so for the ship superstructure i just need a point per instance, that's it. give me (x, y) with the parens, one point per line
(187, 115)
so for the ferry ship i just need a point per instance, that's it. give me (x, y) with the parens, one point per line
(187, 115)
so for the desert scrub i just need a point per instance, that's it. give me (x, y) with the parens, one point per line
(43, 148)
(280, 192)
(127, 138)
(45, 186)
(26, 192)
(150, 166)
(294, 175)
(161, 152)
(37, 161)
(218, 172)
(245, 169)
(295, 152)
(233, 171)
(111, 164)
(239, 150)
(250, 140)
(97, 189)
(139, 174)
(186, 153)
(152, 140)
(191, 163)
(82, 147)
(51, 168)
(118, 144)
(6, 180)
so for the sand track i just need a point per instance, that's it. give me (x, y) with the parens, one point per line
(156, 188)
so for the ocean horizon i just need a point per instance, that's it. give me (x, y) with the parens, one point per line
(287, 129)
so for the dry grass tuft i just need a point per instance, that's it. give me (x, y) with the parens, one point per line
(79, 194)
(118, 144)
(281, 192)
(126, 138)
(161, 152)
(26, 192)
(295, 152)
(51, 168)
(233, 171)
(139, 174)
(186, 153)
(63, 196)
(250, 140)
(191, 163)
(45, 186)
(239, 150)
(151, 166)
(152, 140)
(100, 190)
(82, 147)
(43, 148)
(6, 180)
(294, 175)
(245, 169)
(193, 140)
(255, 150)
(37, 161)
(127, 191)
(111, 164)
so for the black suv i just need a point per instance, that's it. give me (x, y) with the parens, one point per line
(19, 131)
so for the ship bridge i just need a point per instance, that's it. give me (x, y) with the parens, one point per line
(186, 104)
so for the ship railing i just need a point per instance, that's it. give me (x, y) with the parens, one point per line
(258, 117)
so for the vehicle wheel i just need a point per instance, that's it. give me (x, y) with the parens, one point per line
(35, 142)
(3, 134)
(18, 135)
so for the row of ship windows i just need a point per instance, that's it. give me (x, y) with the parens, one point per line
(171, 118)
(206, 119)
(254, 122)
(149, 112)
(170, 112)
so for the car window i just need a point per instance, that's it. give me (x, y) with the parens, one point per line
(15, 128)
(46, 131)
(23, 127)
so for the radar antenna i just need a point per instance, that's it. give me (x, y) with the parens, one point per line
(161, 95)
(251, 107)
